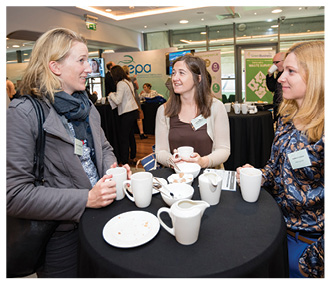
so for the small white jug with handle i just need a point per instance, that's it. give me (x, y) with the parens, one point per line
(210, 187)
(186, 217)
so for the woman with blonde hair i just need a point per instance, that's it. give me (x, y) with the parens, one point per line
(77, 154)
(294, 174)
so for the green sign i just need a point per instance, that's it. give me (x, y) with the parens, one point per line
(91, 26)
(257, 65)
(256, 88)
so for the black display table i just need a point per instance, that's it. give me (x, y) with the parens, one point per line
(237, 239)
(251, 139)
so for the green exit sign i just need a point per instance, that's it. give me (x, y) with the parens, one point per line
(91, 26)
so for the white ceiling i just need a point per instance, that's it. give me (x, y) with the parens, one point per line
(197, 17)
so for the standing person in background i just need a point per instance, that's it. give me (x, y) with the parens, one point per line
(191, 101)
(294, 174)
(74, 177)
(10, 88)
(136, 87)
(110, 85)
(127, 112)
(273, 84)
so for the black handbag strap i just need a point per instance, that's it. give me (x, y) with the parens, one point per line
(38, 167)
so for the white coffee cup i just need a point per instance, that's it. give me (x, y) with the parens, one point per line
(184, 152)
(210, 187)
(141, 184)
(227, 107)
(236, 108)
(250, 183)
(272, 69)
(103, 100)
(244, 108)
(119, 175)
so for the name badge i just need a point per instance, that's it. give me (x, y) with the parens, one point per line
(197, 122)
(78, 149)
(299, 159)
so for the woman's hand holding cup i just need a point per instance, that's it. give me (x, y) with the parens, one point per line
(103, 193)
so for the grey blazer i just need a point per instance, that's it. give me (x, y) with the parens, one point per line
(65, 191)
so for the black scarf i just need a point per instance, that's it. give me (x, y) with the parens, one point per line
(76, 108)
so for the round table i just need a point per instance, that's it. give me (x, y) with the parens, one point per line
(236, 239)
(251, 138)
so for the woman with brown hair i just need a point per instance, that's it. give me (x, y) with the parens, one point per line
(192, 117)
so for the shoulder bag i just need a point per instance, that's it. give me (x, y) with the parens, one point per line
(27, 239)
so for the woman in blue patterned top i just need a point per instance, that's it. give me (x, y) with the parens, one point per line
(294, 174)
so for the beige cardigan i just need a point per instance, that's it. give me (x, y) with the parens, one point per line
(217, 128)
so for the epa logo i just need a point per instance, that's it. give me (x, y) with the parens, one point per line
(135, 69)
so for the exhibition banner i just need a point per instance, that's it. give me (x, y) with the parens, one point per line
(149, 67)
(257, 63)
(213, 64)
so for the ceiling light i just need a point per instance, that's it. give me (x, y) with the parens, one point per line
(269, 20)
(108, 10)
(276, 11)
(203, 33)
(15, 45)
(202, 19)
(145, 27)
(137, 14)
(183, 21)
(274, 26)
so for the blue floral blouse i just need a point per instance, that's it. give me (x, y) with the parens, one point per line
(299, 192)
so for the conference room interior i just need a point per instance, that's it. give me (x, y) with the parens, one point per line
(231, 30)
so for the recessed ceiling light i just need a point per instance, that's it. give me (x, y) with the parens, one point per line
(15, 45)
(145, 27)
(276, 11)
(203, 33)
(183, 21)
(202, 19)
(274, 26)
(108, 10)
(269, 20)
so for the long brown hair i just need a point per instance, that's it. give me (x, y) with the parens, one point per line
(53, 45)
(310, 115)
(203, 96)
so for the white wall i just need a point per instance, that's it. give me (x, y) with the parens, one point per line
(41, 19)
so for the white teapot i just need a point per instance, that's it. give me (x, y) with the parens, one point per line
(186, 216)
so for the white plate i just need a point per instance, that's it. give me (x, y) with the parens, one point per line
(162, 180)
(131, 229)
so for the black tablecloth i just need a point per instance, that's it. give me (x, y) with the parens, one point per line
(149, 110)
(251, 139)
(237, 239)
(109, 124)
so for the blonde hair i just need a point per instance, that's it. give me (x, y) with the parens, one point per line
(310, 116)
(53, 45)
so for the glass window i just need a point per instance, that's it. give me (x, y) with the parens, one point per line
(221, 35)
(157, 40)
(256, 32)
(187, 39)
